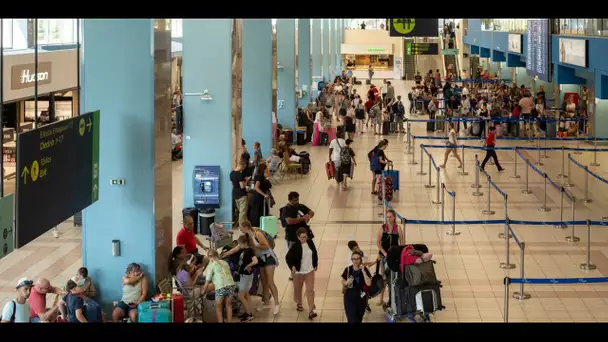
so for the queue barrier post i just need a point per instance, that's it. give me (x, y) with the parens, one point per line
(563, 174)
(384, 220)
(588, 266)
(544, 208)
(526, 190)
(562, 191)
(595, 163)
(568, 183)
(573, 238)
(421, 172)
(545, 151)
(521, 295)
(578, 145)
(403, 224)
(507, 265)
(502, 235)
(409, 138)
(587, 199)
(538, 162)
(453, 231)
(489, 211)
(463, 172)
(515, 175)
(437, 198)
(442, 202)
(476, 185)
(430, 185)
(507, 282)
(413, 160)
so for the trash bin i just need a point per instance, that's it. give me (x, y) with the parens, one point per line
(207, 218)
(301, 137)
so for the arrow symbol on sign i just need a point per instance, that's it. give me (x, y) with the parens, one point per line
(24, 174)
(95, 189)
(89, 124)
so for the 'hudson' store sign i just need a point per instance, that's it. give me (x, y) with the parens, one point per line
(24, 75)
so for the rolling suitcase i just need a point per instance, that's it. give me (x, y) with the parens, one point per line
(385, 127)
(427, 298)
(401, 300)
(388, 188)
(305, 162)
(393, 174)
(92, 311)
(440, 123)
(269, 224)
(430, 126)
(150, 312)
(330, 169)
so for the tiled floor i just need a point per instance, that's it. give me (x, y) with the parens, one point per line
(468, 264)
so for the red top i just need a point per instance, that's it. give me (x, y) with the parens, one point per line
(186, 239)
(515, 111)
(490, 139)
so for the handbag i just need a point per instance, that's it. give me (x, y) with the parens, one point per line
(378, 283)
(347, 276)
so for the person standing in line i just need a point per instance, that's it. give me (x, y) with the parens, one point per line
(370, 73)
(383, 91)
(18, 309)
(451, 147)
(303, 260)
(527, 105)
(247, 260)
(347, 161)
(375, 112)
(239, 190)
(378, 162)
(399, 111)
(389, 235)
(354, 280)
(490, 152)
(335, 148)
(390, 93)
(359, 115)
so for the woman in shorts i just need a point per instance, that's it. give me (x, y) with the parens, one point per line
(219, 279)
(452, 147)
(247, 261)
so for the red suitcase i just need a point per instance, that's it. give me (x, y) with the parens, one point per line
(177, 307)
(388, 187)
(330, 169)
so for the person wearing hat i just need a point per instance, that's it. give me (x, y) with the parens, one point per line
(18, 309)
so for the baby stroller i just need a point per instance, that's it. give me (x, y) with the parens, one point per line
(406, 301)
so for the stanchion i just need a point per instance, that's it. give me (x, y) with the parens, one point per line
(544, 208)
(502, 235)
(403, 224)
(595, 163)
(437, 199)
(463, 172)
(409, 138)
(453, 232)
(573, 238)
(476, 185)
(489, 211)
(521, 295)
(430, 185)
(578, 145)
(538, 162)
(383, 198)
(567, 183)
(588, 266)
(506, 306)
(561, 210)
(587, 199)
(545, 151)
(507, 264)
(421, 172)
(413, 160)
(526, 190)
(442, 202)
(563, 174)
(515, 175)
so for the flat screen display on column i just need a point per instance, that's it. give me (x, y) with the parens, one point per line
(538, 53)
(57, 174)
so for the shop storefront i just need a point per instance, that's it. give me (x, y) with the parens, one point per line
(57, 96)
(360, 56)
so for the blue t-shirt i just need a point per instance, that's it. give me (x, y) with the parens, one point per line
(22, 313)
(73, 302)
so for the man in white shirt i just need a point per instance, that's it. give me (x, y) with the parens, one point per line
(18, 309)
(335, 147)
(176, 145)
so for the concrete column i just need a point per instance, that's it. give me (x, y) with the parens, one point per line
(207, 65)
(336, 46)
(325, 50)
(257, 83)
(304, 78)
(286, 77)
(131, 90)
(316, 39)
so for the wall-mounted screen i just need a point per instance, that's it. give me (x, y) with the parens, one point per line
(515, 43)
(573, 51)
(538, 53)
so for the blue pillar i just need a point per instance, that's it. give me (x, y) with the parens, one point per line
(207, 64)
(317, 57)
(326, 52)
(286, 77)
(336, 46)
(304, 60)
(121, 86)
(257, 83)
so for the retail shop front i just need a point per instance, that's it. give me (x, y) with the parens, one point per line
(359, 57)
(57, 96)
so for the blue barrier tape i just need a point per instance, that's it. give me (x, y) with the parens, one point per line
(451, 193)
(495, 119)
(496, 187)
(534, 168)
(420, 137)
(598, 177)
(434, 164)
(514, 236)
(553, 281)
(511, 148)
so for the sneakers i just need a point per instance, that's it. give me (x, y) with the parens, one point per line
(276, 310)
(502, 170)
(260, 306)
(246, 317)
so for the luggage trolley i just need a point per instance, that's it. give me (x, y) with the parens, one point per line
(221, 234)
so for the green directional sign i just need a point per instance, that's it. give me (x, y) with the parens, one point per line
(421, 49)
(414, 27)
(57, 174)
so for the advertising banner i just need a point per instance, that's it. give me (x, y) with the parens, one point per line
(414, 27)
(515, 43)
(573, 51)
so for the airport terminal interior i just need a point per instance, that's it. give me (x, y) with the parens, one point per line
(424, 170)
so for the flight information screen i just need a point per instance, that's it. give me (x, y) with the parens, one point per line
(538, 54)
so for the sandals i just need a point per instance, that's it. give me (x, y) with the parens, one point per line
(312, 315)
(300, 307)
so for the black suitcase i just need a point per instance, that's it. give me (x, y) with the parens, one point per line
(301, 137)
(385, 127)
(427, 298)
(192, 212)
(305, 162)
(430, 126)
(401, 300)
(368, 81)
(357, 82)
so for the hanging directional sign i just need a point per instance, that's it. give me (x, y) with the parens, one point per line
(421, 49)
(414, 27)
(57, 174)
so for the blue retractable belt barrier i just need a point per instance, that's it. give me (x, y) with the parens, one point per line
(514, 236)
(554, 281)
(496, 119)
(421, 137)
(598, 177)
(523, 148)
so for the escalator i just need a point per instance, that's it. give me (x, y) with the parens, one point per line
(450, 59)
(409, 65)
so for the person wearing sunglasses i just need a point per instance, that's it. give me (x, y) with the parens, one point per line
(355, 279)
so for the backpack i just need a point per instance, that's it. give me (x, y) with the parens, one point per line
(12, 320)
(406, 257)
(374, 160)
(345, 155)
(269, 238)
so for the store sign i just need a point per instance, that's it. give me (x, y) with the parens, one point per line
(414, 27)
(448, 52)
(376, 50)
(421, 49)
(573, 51)
(24, 75)
(515, 43)
(8, 135)
(57, 165)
